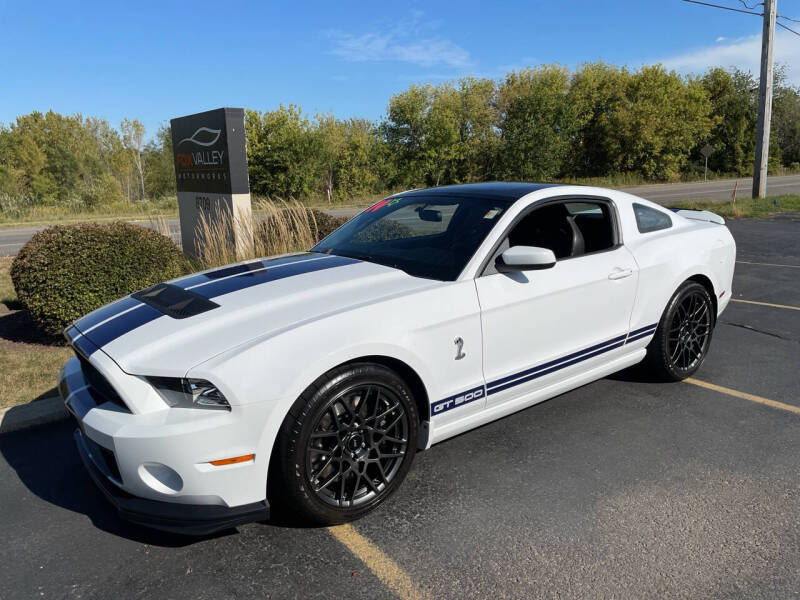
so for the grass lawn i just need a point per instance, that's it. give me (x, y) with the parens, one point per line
(747, 208)
(27, 376)
(28, 368)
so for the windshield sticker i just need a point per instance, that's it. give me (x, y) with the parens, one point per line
(385, 202)
(492, 213)
(377, 205)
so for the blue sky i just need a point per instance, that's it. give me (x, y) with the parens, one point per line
(157, 60)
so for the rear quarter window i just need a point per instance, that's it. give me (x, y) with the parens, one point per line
(649, 219)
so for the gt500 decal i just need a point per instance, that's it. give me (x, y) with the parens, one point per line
(461, 399)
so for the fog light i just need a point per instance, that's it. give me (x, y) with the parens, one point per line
(160, 478)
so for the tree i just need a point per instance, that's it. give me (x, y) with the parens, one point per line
(283, 153)
(734, 108)
(404, 132)
(537, 125)
(133, 140)
(659, 122)
(786, 120)
(159, 165)
(597, 93)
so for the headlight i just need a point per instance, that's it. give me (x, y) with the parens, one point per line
(189, 393)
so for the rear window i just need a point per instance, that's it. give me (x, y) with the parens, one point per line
(649, 219)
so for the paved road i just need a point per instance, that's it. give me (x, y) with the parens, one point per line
(11, 240)
(622, 488)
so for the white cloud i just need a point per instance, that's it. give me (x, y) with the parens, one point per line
(721, 38)
(743, 53)
(404, 41)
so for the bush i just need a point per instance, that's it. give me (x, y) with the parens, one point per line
(326, 224)
(66, 271)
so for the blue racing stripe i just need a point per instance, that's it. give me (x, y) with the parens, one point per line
(641, 329)
(502, 380)
(200, 278)
(220, 282)
(84, 345)
(640, 336)
(558, 367)
(253, 278)
(105, 312)
(125, 323)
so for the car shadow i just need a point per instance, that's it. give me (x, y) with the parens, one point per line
(638, 373)
(47, 463)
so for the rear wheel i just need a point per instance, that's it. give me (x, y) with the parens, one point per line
(683, 336)
(346, 444)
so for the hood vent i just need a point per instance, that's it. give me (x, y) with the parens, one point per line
(174, 301)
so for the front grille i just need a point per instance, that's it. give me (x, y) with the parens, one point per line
(100, 385)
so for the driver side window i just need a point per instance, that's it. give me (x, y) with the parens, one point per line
(570, 229)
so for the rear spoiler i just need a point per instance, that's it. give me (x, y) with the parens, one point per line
(698, 215)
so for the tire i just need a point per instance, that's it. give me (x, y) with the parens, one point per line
(346, 444)
(683, 336)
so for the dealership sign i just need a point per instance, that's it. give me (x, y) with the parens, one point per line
(209, 150)
(210, 155)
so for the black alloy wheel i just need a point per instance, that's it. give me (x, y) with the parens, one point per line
(346, 444)
(683, 336)
(357, 445)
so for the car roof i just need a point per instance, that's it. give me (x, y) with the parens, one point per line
(494, 189)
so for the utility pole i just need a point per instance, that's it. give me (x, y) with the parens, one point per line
(764, 101)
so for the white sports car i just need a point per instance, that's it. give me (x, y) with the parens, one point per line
(310, 380)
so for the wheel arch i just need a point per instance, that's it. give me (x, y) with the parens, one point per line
(408, 374)
(706, 283)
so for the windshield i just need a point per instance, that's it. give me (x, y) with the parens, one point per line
(425, 236)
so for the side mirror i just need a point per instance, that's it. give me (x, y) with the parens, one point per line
(525, 258)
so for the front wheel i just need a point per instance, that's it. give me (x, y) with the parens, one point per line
(346, 444)
(683, 336)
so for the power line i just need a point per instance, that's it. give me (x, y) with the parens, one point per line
(789, 19)
(788, 29)
(739, 10)
(765, 83)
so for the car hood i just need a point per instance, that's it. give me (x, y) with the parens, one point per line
(168, 329)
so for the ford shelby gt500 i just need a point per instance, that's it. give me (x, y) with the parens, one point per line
(310, 380)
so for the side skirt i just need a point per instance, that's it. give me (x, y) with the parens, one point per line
(442, 432)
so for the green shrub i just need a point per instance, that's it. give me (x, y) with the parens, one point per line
(326, 224)
(66, 271)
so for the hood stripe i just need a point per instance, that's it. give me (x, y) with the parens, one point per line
(221, 287)
(201, 278)
(104, 313)
(130, 317)
(125, 323)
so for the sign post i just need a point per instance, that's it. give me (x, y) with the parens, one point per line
(706, 151)
(210, 157)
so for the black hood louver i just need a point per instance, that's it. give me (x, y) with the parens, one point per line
(174, 301)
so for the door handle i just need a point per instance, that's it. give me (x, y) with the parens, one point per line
(618, 273)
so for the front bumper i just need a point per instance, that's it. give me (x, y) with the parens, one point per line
(188, 519)
(154, 466)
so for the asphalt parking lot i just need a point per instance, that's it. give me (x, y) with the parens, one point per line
(622, 488)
